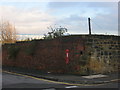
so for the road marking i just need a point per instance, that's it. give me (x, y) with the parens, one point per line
(51, 80)
(49, 89)
(95, 76)
(115, 80)
(71, 87)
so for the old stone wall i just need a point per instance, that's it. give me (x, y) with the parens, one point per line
(87, 54)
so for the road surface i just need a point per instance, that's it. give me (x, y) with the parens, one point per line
(21, 81)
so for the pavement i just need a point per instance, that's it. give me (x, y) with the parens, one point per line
(12, 81)
(75, 79)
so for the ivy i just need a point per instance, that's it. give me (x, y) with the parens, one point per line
(13, 51)
(31, 48)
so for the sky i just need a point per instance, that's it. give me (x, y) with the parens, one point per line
(34, 17)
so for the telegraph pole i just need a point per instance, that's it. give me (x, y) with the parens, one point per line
(89, 26)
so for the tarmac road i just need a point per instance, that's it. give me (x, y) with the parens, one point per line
(19, 81)
(15, 81)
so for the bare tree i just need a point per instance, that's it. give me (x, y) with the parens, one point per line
(55, 32)
(7, 32)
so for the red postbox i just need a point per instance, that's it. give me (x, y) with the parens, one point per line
(67, 56)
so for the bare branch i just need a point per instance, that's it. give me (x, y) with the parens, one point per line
(7, 32)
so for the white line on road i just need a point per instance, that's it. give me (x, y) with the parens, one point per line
(71, 87)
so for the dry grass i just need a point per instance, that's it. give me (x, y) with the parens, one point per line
(100, 66)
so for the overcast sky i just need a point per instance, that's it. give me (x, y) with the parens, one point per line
(35, 17)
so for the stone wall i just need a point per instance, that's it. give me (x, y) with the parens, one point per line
(105, 49)
(88, 54)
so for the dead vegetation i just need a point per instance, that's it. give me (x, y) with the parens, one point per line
(7, 32)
